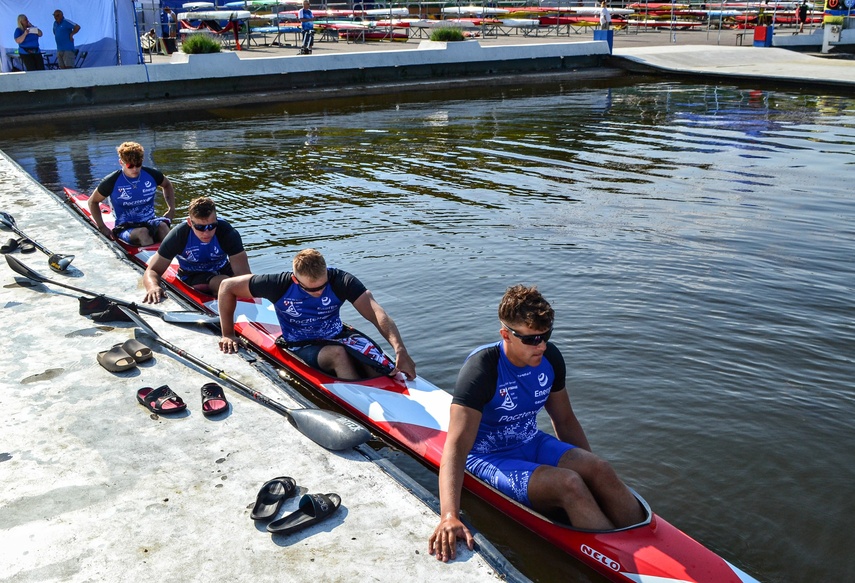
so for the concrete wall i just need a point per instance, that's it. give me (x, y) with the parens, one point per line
(226, 73)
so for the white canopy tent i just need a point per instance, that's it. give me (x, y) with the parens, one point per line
(108, 31)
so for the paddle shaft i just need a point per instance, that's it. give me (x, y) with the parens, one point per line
(325, 428)
(21, 269)
(9, 221)
(236, 384)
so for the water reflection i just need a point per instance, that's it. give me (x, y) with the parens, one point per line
(696, 242)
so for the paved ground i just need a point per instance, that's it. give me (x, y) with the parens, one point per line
(623, 39)
(96, 488)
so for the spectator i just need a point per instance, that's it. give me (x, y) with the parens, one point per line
(64, 31)
(27, 36)
(168, 30)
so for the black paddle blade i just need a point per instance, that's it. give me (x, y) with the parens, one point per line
(7, 220)
(329, 430)
(22, 269)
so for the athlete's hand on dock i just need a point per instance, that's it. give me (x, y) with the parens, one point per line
(229, 344)
(443, 541)
(107, 232)
(154, 296)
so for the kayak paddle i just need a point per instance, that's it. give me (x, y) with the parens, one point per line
(327, 429)
(56, 261)
(171, 317)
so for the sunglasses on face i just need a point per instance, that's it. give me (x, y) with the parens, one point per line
(131, 165)
(306, 288)
(209, 227)
(529, 339)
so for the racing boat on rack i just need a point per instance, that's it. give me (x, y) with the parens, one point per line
(414, 415)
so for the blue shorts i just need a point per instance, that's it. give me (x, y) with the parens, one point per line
(509, 471)
(309, 354)
(153, 226)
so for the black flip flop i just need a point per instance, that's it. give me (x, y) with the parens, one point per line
(313, 509)
(26, 246)
(271, 496)
(160, 400)
(138, 351)
(116, 359)
(9, 246)
(213, 400)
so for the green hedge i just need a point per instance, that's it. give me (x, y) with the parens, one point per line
(446, 33)
(199, 44)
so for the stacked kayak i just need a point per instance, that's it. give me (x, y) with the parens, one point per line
(413, 415)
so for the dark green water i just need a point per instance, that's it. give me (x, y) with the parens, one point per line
(697, 243)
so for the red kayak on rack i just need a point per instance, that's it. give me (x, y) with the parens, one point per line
(413, 415)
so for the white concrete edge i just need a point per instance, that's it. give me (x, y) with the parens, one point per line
(218, 65)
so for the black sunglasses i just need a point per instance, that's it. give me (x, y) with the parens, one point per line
(132, 166)
(209, 227)
(530, 339)
(306, 288)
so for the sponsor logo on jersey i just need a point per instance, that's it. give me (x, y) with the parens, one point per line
(542, 393)
(292, 310)
(325, 300)
(124, 194)
(542, 379)
(601, 558)
(507, 403)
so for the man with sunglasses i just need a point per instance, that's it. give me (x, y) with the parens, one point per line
(492, 432)
(208, 249)
(307, 302)
(131, 191)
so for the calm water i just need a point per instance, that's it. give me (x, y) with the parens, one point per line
(696, 242)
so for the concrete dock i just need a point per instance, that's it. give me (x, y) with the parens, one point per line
(97, 488)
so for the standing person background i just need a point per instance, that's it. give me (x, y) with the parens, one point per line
(64, 31)
(131, 190)
(168, 30)
(306, 19)
(605, 16)
(27, 36)
(801, 15)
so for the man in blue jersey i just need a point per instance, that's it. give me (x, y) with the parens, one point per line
(307, 302)
(492, 432)
(64, 31)
(131, 191)
(307, 19)
(208, 249)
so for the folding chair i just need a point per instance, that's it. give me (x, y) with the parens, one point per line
(80, 58)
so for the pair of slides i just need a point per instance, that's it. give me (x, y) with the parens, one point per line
(164, 400)
(313, 508)
(24, 244)
(124, 356)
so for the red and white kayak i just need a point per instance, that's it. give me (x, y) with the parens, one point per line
(414, 415)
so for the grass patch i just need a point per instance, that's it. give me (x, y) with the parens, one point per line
(446, 34)
(200, 44)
